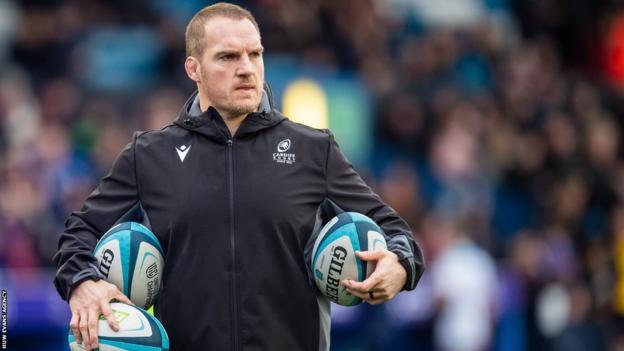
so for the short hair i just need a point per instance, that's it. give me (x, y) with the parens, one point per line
(196, 28)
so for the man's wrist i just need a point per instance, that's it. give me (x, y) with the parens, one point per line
(91, 273)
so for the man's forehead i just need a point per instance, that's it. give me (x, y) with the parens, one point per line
(224, 33)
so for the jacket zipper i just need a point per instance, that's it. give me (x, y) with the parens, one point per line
(233, 245)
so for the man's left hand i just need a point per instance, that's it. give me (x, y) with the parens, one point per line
(384, 283)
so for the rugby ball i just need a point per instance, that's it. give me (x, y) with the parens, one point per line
(138, 331)
(333, 255)
(130, 256)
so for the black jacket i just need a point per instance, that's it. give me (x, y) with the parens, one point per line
(234, 218)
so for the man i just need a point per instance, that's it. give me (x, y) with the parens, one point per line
(232, 218)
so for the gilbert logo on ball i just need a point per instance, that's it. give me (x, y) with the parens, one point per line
(131, 257)
(333, 255)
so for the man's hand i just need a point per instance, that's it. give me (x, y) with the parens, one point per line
(87, 302)
(384, 283)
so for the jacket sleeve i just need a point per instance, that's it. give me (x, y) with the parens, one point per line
(115, 194)
(347, 189)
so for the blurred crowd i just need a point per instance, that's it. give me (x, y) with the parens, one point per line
(497, 136)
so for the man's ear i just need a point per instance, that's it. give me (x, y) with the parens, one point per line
(193, 68)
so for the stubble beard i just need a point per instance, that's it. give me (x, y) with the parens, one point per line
(240, 109)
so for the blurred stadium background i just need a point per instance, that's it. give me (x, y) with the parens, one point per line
(493, 126)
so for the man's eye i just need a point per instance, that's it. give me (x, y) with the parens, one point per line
(228, 57)
(256, 54)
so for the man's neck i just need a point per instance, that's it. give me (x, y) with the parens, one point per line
(232, 122)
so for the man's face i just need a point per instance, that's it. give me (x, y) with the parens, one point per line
(231, 66)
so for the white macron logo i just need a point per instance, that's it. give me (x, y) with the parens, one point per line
(281, 156)
(182, 151)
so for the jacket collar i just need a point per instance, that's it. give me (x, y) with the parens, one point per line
(210, 123)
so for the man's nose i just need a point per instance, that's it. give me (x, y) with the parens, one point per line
(245, 67)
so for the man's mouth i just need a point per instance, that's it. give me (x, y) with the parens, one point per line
(246, 87)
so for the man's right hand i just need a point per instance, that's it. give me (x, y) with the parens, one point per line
(87, 302)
